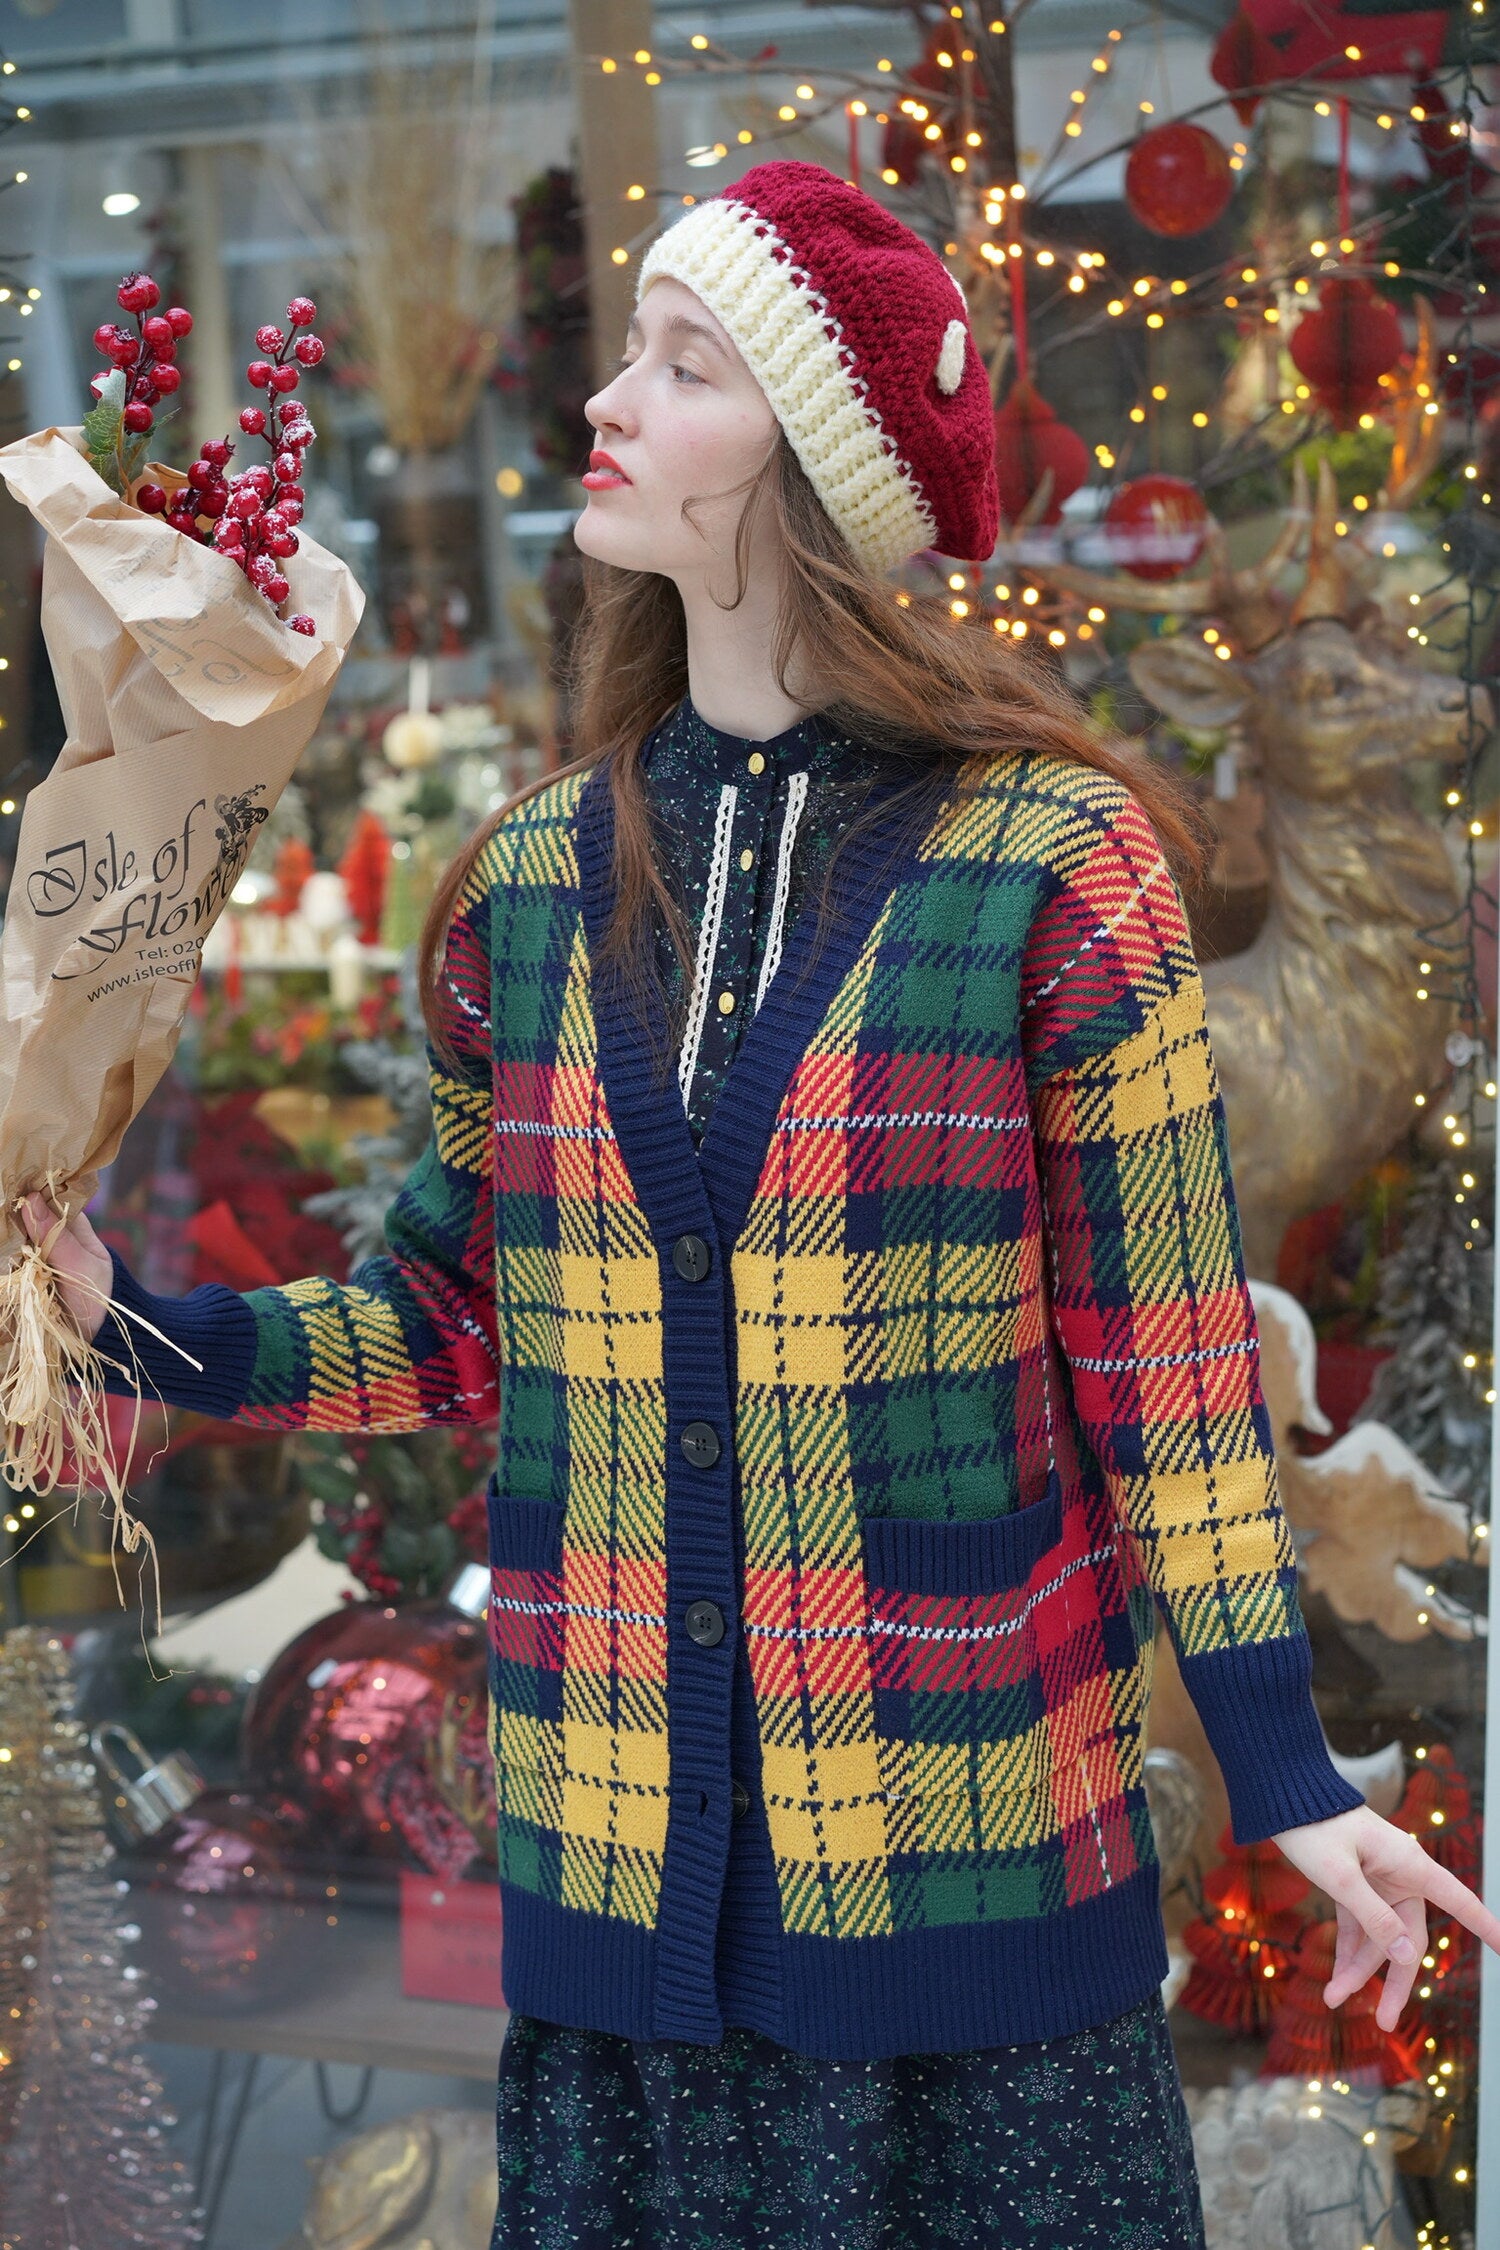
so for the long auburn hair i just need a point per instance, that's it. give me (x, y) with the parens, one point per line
(898, 673)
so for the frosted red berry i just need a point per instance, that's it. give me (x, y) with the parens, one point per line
(214, 501)
(150, 499)
(252, 420)
(283, 543)
(288, 508)
(309, 349)
(137, 293)
(301, 312)
(182, 519)
(244, 502)
(217, 450)
(138, 417)
(270, 340)
(259, 479)
(258, 374)
(288, 468)
(276, 589)
(201, 473)
(284, 378)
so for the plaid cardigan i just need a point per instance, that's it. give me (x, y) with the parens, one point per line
(780, 1406)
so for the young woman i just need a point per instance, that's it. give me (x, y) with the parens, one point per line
(827, 1149)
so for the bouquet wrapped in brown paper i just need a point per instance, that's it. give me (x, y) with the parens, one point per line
(188, 702)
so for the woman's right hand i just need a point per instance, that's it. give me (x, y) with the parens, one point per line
(79, 1257)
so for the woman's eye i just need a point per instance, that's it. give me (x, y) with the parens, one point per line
(687, 371)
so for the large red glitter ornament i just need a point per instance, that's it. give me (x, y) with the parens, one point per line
(1177, 179)
(1312, 2040)
(1029, 441)
(1344, 346)
(1157, 526)
(353, 1703)
(1242, 1943)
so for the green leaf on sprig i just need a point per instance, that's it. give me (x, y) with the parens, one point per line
(133, 457)
(102, 428)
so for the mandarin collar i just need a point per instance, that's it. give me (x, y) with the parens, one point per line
(725, 755)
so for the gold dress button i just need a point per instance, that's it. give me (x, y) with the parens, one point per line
(726, 1003)
(756, 762)
(747, 857)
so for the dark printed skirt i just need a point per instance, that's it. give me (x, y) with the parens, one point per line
(1078, 2143)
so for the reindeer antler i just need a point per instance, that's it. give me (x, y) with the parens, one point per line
(1419, 421)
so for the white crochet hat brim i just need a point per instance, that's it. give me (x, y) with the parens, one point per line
(785, 332)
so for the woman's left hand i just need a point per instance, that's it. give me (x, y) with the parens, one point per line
(1379, 1879)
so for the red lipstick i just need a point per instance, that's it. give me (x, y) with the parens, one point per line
(604, 473)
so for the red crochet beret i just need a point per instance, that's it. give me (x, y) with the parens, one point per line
(859, 336)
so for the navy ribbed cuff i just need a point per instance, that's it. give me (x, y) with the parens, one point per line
(1257, 1711)
(215, 1324)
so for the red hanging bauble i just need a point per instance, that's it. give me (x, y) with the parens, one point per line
(1177, 179)
(1311, 2040)
(1243, 58)
(1157, 526)
(1345, 345)
(1030, 440)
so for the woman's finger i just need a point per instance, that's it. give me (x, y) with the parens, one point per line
(1399, 1977)
(1450, 1896)
(1354, 1965)
(1376, 1916)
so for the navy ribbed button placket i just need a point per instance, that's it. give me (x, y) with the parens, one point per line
(696, 1357)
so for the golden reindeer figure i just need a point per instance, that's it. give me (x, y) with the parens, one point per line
(1318, 1033)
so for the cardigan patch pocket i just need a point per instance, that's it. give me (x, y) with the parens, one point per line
(525, 1633)
(953, 1649)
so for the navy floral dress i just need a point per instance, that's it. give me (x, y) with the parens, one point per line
(608, 2143)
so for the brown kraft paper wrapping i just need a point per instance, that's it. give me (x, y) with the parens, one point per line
(187, 703)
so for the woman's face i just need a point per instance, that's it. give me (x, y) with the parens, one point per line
(684, 419)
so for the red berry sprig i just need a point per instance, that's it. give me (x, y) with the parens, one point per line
(147, 357)
(252, 517)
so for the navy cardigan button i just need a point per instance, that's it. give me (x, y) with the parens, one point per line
(739, 1797)
(705, 1623)
(692, 1257)
(700, 1442)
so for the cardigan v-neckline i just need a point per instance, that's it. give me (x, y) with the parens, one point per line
(707, 1188)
